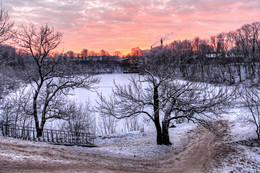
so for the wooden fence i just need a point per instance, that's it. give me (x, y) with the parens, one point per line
(51, 136)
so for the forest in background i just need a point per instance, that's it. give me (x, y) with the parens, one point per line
(224, 58)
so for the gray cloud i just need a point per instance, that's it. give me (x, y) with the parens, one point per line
(66, 12)
(130, 18)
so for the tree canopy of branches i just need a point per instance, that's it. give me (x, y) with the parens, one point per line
(50, 79)
(162, 96)
(79, 118)
(251, 100)
(6, 31)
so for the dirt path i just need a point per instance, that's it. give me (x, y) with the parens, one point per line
(197, 156)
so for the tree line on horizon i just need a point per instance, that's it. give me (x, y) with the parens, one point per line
(241, 45)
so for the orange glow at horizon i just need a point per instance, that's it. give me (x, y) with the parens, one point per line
(122, 25)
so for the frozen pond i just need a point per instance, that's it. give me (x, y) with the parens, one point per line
(105, 87)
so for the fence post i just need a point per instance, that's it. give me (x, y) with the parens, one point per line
(28, 134)
(15, 131)
(33, 135)
(52, 140)
(55, 136)
(48, 136)
(69, 138)
(64, 137)
(1, 127)
(12, 132)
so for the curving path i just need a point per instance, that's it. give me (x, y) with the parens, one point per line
(198, 156)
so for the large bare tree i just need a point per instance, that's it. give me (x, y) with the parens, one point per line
(50, 79)
(6, 33)
(163, 97)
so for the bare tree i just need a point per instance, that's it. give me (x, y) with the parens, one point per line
(50, 79)
(6, 31)
(8, 81)
(132, 124)
(251, 100)
(117, 53)
(247, 40)
(84, 54)
(161, 95)
(106, 124)
(104, 53)
(70, 54)
(14, 108)
(6, 116)
(79, 118)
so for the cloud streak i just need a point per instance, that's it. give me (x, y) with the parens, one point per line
(123, 24)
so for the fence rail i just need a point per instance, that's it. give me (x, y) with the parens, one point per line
(51, 136)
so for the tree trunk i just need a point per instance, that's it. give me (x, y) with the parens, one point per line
(159, 132)
(239, 72)
(165, 133)
(162, 133)
(258, 132)
(36, 121)
(157, 116)
(35, 111)
(39, 132)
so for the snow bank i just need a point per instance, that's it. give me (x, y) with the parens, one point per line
(246, 159)
(143, 145)
(240, 127)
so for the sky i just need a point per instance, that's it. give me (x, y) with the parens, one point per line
(123, 24)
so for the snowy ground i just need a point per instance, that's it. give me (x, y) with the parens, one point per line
(134, 152)
(243, 159)
(144, 145)
(246, 155)
(194, 149)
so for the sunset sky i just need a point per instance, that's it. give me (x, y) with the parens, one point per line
(124, 24)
